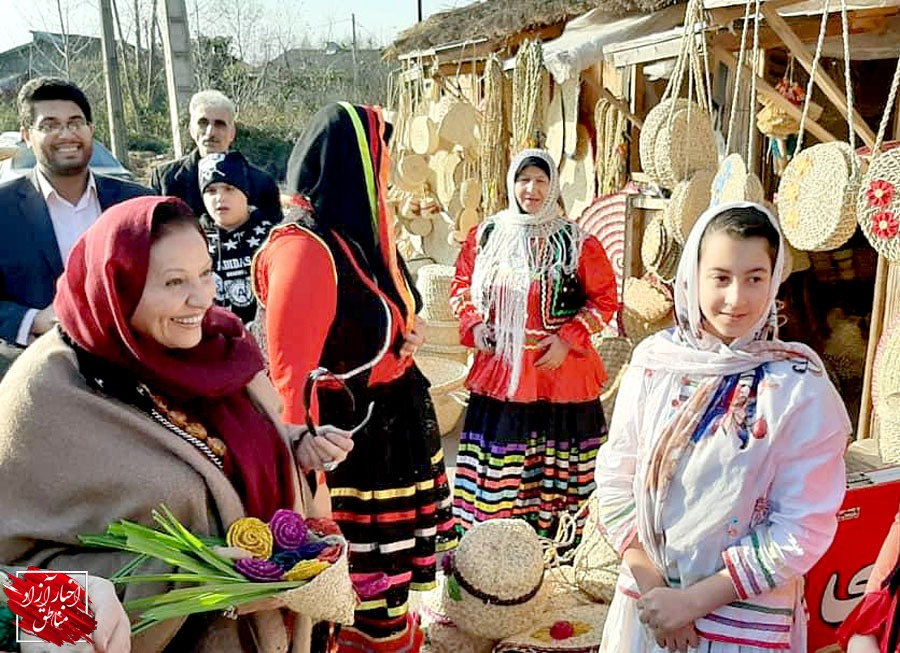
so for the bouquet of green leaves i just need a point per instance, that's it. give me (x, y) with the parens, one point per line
(293, 559)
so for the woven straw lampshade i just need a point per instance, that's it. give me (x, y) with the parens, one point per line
(817, 197)
(886, 393)
(878, 204)
(496, 587)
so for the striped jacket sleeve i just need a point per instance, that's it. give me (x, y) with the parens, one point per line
(595, 273)
(617, 462)
(804, 497)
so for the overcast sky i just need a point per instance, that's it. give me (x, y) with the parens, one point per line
(318, 20)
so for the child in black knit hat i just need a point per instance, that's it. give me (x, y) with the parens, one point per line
(234, 229)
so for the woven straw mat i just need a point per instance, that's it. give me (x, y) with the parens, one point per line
(817, 198)
(502, 557)
(878, 204)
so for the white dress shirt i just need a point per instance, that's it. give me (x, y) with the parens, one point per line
(69, 222)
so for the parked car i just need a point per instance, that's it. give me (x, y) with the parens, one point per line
(22, 161)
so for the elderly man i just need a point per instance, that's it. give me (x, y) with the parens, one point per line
(44, 213)
(212, 128)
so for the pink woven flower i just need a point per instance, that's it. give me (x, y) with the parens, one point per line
(289, 529)
(264, 571)
(885, 225)
(880, 193)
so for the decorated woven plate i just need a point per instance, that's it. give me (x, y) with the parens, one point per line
(656, 117)
(684, 145)
(886, 392)
(689, 199)
(878, 204)
(813, 199)
(730, 180)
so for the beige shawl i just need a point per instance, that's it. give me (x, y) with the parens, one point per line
(73, 460)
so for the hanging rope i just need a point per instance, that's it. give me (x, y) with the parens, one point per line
(888, 109)
(848, 83)
(737, 77)
(751, 123)
(812, 76)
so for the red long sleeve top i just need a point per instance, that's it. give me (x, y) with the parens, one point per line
(581, 375)
(297, 282)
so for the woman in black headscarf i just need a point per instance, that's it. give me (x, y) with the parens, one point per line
(339, 310)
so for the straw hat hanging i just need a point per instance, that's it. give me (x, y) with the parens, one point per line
(886, 393)
(817, 195)
(495, 581)
(878, 202)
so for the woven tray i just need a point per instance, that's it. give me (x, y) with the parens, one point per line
(878, 204)
(817, 198)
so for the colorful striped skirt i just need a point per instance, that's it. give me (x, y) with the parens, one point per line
(526, 460)
(392, 501)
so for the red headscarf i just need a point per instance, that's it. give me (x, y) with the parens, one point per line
(96, 297)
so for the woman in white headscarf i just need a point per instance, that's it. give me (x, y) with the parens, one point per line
(530, 289)
(724, 470)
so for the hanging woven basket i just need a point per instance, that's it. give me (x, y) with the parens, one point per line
(878, 204)
(659, 251)
(886, 393)
(646, 308)
(423, 135)
(653, 123)
(689, 200)
(817, 197)
(684, 145)
(734, 183)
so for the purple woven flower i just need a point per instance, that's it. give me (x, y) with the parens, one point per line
(289, 529)
(286, 559)
(264, 571)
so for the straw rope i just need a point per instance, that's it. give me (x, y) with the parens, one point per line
(527, 95)
(812, 76)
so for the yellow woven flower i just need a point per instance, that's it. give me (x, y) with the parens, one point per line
(791, 218)
(306, 569)
(252, 535)
(802, 165)
(791, 191)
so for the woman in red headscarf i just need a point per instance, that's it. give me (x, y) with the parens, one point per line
(145, 394)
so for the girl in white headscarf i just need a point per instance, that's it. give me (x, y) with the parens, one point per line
(530, 289)
(724, 470)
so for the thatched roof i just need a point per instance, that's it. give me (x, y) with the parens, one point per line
(498, 20)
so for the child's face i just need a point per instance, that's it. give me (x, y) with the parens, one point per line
(735, 278)
(226, 205)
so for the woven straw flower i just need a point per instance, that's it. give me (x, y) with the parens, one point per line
(561, 631)
(880, 193)
(802, 165)
(252, 535)
(306, 569)
(885, 225)
(288, 529)
(259, 570)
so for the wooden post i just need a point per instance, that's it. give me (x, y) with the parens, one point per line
(118, 135)
(823, 81)
(179, 73)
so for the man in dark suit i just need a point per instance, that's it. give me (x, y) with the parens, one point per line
(44, 213)
(212, 128)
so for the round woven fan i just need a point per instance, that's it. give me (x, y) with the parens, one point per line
(684, 145)
(689, 200)
(423, 135)
(413, 169)
(447, 174)
(817, 198)
(470, 192)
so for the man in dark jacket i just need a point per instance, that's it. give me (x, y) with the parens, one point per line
(212, 128)
(44, 213)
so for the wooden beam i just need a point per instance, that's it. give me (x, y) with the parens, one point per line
(805, 27)
(723, 16)
(764, 88)
(823, 81)
(616, 102)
